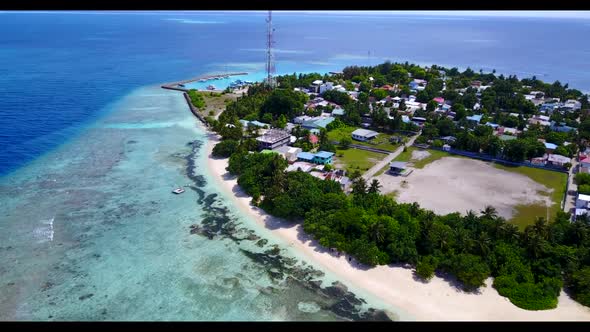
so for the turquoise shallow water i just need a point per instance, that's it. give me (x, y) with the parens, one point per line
(91, 231)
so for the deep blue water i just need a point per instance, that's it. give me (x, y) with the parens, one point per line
(59, 71)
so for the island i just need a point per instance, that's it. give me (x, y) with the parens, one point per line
(473, 178)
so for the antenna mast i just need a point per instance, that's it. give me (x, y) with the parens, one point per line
(270, 66)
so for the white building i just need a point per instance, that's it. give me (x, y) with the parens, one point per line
(364, 134)
(582, 202)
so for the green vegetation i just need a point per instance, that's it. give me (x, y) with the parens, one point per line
(225, 148)
(379, 142)
(352, 159)
(196, 98)
(525, 214)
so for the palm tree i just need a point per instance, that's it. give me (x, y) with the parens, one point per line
(483, 243)
(463, 239)
(471, 220)
(541, 228)
(375, 186)
(510, 232)
(378, 230)
(359, 186)
(489, 212)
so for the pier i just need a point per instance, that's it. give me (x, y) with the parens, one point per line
(194, 110)
(175, 85)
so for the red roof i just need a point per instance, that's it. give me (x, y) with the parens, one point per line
(439, 100)
(313, 139)
(585, 160)
(386, 87)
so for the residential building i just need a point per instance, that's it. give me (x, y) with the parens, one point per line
(558, 160)
(289, 152)
(583, 201)
(561, 127)
(474, 119)
(321, 157)
(550, 147)
(397, 167)
(273, 139)
(364, 134)
(318, 122)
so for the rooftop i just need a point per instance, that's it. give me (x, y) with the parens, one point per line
(398, 164)
(550, 146)
(364, 132)
(583, 197)
(305, 155)
(324, 154)
(273, 135)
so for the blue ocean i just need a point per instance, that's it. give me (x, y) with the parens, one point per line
(90, 146)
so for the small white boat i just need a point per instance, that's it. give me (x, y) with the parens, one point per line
(178, 190)
(211, 87)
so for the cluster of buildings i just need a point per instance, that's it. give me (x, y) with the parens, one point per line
(278, 141)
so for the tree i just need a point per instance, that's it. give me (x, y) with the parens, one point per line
(282, 121)
(426, 267)
(375, 187)
(489, 212)
(431, 106)
(225, 148)
(345, 142)
(359, 186)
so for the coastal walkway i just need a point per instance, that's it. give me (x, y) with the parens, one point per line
(373, 170)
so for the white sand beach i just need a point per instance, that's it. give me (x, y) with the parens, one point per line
(437, 300)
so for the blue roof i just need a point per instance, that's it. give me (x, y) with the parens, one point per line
(338, 111)
(324, 154)
(324, 122)
(493, 125)
(550, 146)
(476, 117)
(405, 119)
(305, 155)
(258, 123)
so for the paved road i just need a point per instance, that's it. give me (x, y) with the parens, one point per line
(368, 148)
(371, 172)
(570, 200)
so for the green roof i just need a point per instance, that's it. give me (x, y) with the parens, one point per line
(268, 151)
(507, 137)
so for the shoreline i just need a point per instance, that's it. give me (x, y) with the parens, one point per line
(437, 300)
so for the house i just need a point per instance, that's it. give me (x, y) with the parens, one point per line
(338, 112)
(418, 120)
(542, 120)
(439, 100)
(326, 87)
(313, 139)
(300, 166)
(474, 118)
(582, 201)
(585, 165)
(397, 167)
(446, 147)
(572, 105)
(273, 139)
(322, 157)
(561, 127)
(558, 160)
(493, 125)
(316, 123)
(550, 147)
(364, 134)
(507, 137)
(289, 152)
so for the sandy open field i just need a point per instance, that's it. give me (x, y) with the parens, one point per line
(458, 184)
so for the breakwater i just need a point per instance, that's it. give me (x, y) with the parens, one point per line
(176, 85)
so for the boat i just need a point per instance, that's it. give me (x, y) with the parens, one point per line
(178, 190)
(211, 87)
(181, 85)
(202, 80)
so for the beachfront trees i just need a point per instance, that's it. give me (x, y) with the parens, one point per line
(375, 187)
(225, 148)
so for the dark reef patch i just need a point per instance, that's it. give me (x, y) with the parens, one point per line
(218, 222)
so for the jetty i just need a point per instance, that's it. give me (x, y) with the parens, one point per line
(176, 85)
(179, 86)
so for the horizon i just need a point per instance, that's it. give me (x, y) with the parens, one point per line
(571, 14)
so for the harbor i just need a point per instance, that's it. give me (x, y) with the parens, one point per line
(181, 85)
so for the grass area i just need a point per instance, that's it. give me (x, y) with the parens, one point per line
(215, 102)
(379, 142)
(393, 194)
(525, 214)
(352, 159)
(434, 155)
